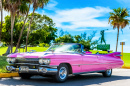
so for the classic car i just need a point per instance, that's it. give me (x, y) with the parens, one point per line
(61, 60)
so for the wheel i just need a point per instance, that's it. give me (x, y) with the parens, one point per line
(62, 73)
(25, 75)
(107, 73)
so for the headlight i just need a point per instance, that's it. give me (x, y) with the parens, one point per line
(11, 60)
(8, 60)
(44, 61)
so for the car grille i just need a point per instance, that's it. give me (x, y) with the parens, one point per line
(28, 60)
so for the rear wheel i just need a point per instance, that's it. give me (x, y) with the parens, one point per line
(107, 73)
(62, 73)
(25, 75)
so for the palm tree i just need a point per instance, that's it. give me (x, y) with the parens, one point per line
(26, 10)
(14, 7)
(1, 18)
(36, 4)
(118, 20)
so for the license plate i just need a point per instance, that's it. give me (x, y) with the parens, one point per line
(23, 68)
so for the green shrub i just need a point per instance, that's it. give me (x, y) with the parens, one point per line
(3, 64)
(44, 45)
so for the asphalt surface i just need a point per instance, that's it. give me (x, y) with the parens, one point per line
(120, 77)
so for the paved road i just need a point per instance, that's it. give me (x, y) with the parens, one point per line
(120, 77)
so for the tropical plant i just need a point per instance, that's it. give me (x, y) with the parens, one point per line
(15, 8)
(36, 4)
(118, 20)
(18, 24)
(26, 10)
(88, 42)
(42, 31)
(1, 9)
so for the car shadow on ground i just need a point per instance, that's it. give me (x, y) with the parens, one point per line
(79, 80)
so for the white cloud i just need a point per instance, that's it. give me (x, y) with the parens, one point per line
(111, 31)
(51, 5)
(125, 1)
(81, 17)
(82, 29)
(96, 37)
(126, 48)
(124, 40)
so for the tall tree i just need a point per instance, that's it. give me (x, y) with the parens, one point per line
(26, 10)
(42, 29)
(18, 24)
(1, 9)
(14, 7)
(118, 20)
(36, 4)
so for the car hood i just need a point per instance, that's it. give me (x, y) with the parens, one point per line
(30, 54)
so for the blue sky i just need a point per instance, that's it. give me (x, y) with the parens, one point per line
(79, 16)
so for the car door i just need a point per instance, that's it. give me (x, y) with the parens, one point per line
(90, 62)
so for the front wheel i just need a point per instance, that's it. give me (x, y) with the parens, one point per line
(62, 73)
(107, 73)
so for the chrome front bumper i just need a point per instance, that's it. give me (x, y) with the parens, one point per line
(41, 70)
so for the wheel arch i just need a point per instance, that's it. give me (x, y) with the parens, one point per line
(69, 67)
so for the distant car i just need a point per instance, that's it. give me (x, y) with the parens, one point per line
(63, 59)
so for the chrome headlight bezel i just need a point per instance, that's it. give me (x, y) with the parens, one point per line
(44, 61)
(8, 60)
(11, 60)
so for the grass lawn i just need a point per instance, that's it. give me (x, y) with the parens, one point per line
(126, 59)
(38, 49)
(102, 52)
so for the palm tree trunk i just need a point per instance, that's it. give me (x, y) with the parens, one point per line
(1, 20)
(12, 26)
(117, 39)
(29, 29)
(22, 31)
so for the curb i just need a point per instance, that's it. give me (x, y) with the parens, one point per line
(8, 75)
(126, 67)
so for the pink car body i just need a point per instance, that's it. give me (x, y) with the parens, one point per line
(76, 62)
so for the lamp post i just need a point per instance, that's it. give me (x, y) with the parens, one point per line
(122, 43)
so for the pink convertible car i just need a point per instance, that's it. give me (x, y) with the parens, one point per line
(63, 59)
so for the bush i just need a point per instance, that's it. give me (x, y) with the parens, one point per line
(44, 45)
(3, 64)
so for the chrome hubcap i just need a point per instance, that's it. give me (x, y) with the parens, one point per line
(62, 72)
(109, 71)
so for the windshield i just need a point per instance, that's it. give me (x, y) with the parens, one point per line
(74, 48)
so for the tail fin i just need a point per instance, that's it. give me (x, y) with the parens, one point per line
(115, 54)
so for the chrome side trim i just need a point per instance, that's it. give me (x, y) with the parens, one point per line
(118, 55)
(94, 64)
(51, 66)
(89, 72)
